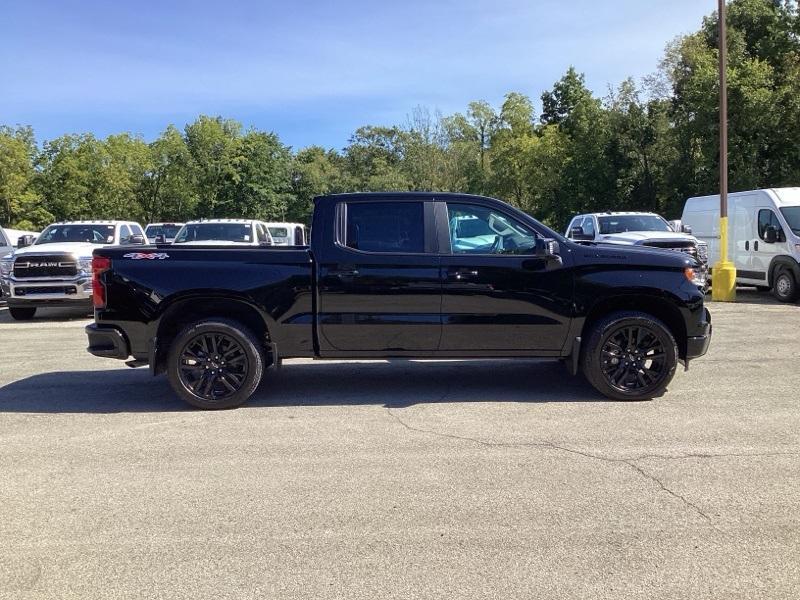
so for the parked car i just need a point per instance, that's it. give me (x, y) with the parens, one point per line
(288, 234)
(167, 231)
(224, 232)
(382, 278)
(5, 244)
(638, 229)
(763, 236)
(56, 268)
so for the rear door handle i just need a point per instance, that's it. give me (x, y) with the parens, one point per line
(343, 272)
(747, 245)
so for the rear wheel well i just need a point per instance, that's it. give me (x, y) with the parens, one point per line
(185, 312)
(661, 309)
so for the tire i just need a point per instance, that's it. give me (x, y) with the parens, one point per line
(215, 364)
(22, 313)
(784, 288)
(628, 337)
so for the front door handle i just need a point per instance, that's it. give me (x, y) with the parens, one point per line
(344, 272)
(755, 246)
(463, 274)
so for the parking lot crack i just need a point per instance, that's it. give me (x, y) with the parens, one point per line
(630, 462)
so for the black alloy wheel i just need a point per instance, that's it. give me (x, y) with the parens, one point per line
(629, 355)
(215, 364)
(634, 359)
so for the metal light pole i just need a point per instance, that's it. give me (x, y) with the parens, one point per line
(723, 283)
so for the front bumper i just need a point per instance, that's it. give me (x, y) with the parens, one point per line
(44, 292)
(107, 342)
(697, 345)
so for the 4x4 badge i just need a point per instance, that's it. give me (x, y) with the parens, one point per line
(146, 255)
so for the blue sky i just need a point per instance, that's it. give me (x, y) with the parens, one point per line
(311, 71)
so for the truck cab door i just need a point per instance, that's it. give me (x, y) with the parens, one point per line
(497, 296)
(379, 285)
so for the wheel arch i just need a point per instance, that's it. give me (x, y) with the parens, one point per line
(783, 261)
(184, 311)
(661, 308)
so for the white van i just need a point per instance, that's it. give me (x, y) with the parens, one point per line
(288, 234)
(763, 236)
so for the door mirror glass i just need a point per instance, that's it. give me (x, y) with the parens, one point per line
(544, 248)
(770, 234)
(24, 241)
(577, 233)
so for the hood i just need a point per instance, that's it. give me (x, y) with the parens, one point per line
(637, 237)
(79, 249)
(631, 254)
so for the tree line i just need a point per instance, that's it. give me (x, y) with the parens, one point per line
(644, 146)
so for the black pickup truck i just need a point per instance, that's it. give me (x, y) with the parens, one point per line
(400, 275)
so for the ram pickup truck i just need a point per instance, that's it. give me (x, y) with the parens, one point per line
(400, 275)
(55, 268)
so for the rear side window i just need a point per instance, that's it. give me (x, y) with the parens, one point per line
(397, 227)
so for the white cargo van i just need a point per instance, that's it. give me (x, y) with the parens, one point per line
(763, 236)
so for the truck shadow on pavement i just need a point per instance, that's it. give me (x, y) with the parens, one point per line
(392, 384)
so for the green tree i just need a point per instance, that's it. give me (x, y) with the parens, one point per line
(20, 203)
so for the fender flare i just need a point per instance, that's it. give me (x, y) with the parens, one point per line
(783, 260)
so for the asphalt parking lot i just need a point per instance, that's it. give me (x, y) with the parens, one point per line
(416, 479)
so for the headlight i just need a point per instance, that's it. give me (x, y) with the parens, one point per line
(695, 276)
(6, 265)
(85, 264)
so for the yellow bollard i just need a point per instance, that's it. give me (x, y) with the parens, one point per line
(723, 281)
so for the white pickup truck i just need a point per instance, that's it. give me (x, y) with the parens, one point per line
(56, 269)
(636, 229)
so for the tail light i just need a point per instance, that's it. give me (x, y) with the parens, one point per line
(100, 264)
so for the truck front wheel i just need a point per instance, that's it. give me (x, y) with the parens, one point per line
(215, 363)
(630, 355)
(22, 313)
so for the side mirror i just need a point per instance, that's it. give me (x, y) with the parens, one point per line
(25, 240)
(136, 239)
(686, 229)
(161, 239)
(544, 248)
(577, 233)
(770, 234)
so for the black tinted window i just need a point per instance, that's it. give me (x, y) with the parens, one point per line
(386, 227)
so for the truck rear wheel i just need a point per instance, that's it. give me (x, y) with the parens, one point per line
(215, 363)
(630, 355)
(784, 288)
(22, 313)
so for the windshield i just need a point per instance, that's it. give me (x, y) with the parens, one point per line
(225, 232)
(792, 216)
(168, 231)
(91, 233)
(280, 232)
(623, 223)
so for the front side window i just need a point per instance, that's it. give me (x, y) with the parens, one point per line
(767, 218)
(89, 233)
(588, 226)
(124, 233)
(480, 230)
(396, 227)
